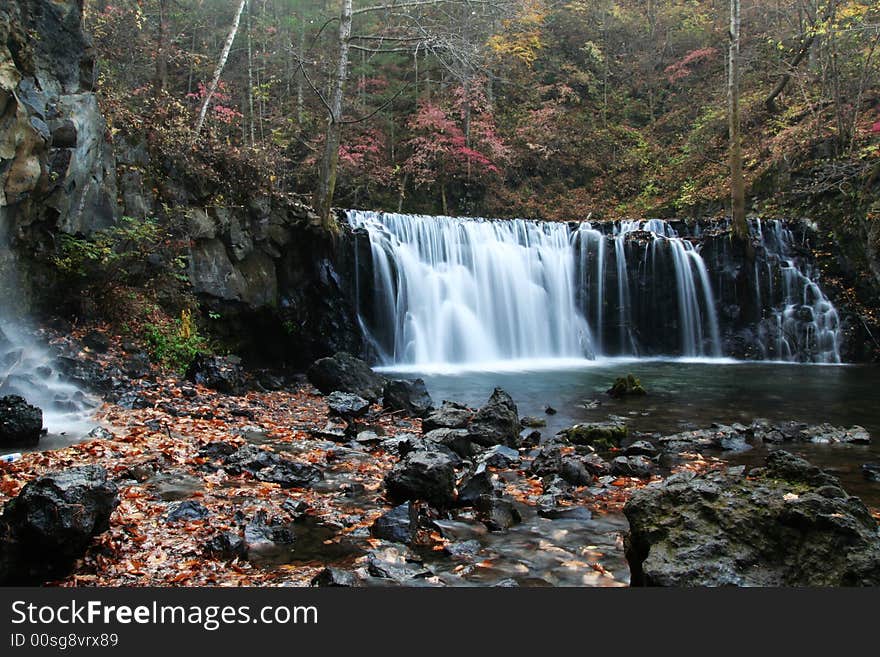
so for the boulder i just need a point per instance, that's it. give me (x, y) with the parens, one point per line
(398, 525)
(423, 475)
(347, 405)
(345, 373)
(226, 545)
(458, 440)
(786, 524)
(641, 448)
(20, 423)
(220, 373)
(632, 466)
(497, 513)
(499, 456)
(497, 422)
(271, 467)
(409, 396)
(450, 415)
(601, 435)
(51, 523)
(480, 483)
(186, 510)
(718, 436)
(331, 576)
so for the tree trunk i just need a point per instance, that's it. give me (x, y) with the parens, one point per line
(215, 80)
(300, 114)
(250, 90)
(162, 49)
(737, 186)
(330, 159)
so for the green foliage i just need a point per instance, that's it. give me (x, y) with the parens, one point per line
(175, 344)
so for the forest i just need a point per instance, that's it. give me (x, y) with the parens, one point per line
(507, 108)
(439, 293)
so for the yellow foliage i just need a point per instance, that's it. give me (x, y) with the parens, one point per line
(520, 37)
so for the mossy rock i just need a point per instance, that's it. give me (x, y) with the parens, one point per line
(625, 386)
(601, 435)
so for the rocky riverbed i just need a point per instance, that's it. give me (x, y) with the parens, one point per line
(345, 477)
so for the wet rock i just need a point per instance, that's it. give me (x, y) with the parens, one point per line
(871, 471)
(499, 456)
(497, 422)
(97, 342)
(226, 545)
(221, 373)
(409, 396)
(423, 475)
(395, 565)
(458, 440)
(335, 577)
(641, 448)
(271, 467)
(262, 536)
(718, 436)
(786, 524)
(450, 415)
(368, 439)
(336, 431)
(632, 466)
(88, 373)
(480, 483)
(625, 386)
(217, 449)
(463, 549)
(576, 469)
(533, 422)
(549, 410)
(51, 523)
(20, 423)
(345, 373)
(601, 435)
(100, 433)
(398, 525)
(497, 513)
(186, 510)
(136, 366)
(800, 432)
(347, 405)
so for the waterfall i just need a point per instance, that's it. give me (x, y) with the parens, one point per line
(27, 369)
(444, 290)
(449, 290)
(801, 323)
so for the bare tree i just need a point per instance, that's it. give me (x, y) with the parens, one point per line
(737, 185)
(221, 63)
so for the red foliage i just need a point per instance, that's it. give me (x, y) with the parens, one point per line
(682, 68)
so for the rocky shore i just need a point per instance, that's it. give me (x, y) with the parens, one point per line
(346, 478)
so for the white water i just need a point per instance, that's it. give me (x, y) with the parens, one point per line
(451, 293)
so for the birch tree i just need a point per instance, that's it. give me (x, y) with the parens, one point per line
(737, 186)
(221, 63)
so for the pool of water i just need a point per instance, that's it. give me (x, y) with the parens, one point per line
(689, 394)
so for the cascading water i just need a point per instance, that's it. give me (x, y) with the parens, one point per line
(442, 290)
(26, 368)
(800, 322)
(450, 290)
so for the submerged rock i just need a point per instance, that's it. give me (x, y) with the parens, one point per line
(871, 471)
(601, 435)
(423, 475)
(409, 396)
(533, 422)
(718, 436)
(626, 386)
(497, 422)
(787, 524)
(20, 423)
(51, 523)
(345, 373)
